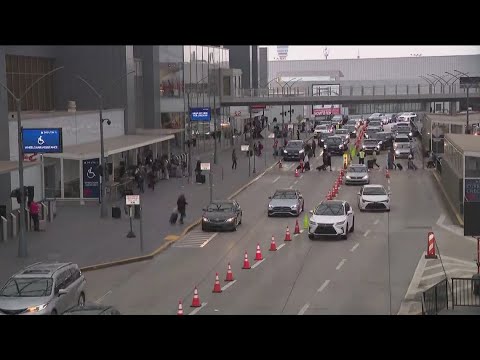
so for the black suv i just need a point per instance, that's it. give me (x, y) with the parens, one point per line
(335, 145)
(295, 150)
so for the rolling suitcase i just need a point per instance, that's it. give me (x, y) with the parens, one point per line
(173, 218)
(399, 166)
(200, 179)
(370, 164)
(116, 212)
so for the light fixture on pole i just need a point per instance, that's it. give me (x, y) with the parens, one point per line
(467, 130)
(22, 241)
(103, 172)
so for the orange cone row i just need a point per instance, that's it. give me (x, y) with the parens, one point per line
(246, 265)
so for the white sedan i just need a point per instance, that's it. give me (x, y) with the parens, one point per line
(331, 218)
(373, 197)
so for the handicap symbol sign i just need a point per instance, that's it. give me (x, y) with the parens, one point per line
(40, 140)
(90, 173)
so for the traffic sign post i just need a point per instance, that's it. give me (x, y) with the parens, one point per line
(246, 148)
(206, 167)
(131, 201)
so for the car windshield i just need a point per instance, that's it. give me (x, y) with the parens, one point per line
(321, 127)
(331, 140)
(401, 139)
(403, 130)
(294, 144)
(285, 195)
(330, 209)
(377, 190)
(27, 287)
(324, 135)
(342, 131)
(370, 142)
(403, 146)
(374, 123)
(220, 207)
(357, 169)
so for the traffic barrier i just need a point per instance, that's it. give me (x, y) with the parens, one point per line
(287, 235)
(296, 173)
(258, 254)
(216, 287)
(196, 299)
(431, 246)
(340, 180)
(329, 195)
(180, 308)
(273, 246)
(387, 174)
(305, 222)
(297, 228)
(229, 273)
(246, 263)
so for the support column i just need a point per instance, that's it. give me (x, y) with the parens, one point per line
(155, 151)
(62, 184)
(80, 171)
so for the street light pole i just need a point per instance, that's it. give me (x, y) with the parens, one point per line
(22, 241)
(468, 102)
(101, 197)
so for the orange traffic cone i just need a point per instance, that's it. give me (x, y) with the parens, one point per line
(340, 180)
(297, 228)
(217, 288)
(180, 308)
(273, 246)
(287, 235)
(229, 273)
(196, 299)
(280, 164)
(296, 173)
(329, 195)
(246, 263)
(258, 254)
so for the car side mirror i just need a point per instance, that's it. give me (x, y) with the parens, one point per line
(311, 212)
(359, 193)
(350, 212)
(62, 292)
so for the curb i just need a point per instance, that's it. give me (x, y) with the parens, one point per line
(452, 207)
(167, 244)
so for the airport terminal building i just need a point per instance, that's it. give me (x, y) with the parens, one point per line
(387, 76)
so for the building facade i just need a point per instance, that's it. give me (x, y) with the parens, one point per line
(388, 75)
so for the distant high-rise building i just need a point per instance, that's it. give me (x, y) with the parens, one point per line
(282, 51)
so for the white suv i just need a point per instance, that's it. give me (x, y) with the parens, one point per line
(331, 218)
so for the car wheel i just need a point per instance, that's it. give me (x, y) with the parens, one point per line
(54, 312)
(81, 300)
(240, 219)
(353, 225)
(345, 237)
(204, 228)
(310, 236)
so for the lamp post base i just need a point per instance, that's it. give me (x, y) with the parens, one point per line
(131, 234)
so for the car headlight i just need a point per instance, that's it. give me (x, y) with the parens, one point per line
(270, 206)
(380, 142)
(205, 219)
(301, 151)
(230, 219)
(365, 177)
(293, 206)
(284, 151)
(341, 223)
(340, 146)
(397, 152)
(36, 308)
(348, 177)
(410, 134)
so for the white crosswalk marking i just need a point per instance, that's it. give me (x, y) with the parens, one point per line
(195, 239)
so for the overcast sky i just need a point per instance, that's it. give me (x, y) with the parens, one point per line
(350, 52)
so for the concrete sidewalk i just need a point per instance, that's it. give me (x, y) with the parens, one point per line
(79, 235)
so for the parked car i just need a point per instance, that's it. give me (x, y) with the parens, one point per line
(43, 289)
(222, 215)
(331, 218)
(295, 150)
(286, 202)
(357, 174)
(92, 309)
(373, 197)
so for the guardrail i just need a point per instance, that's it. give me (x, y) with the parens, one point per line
(435, 298)
(466, 291)
(345, 90)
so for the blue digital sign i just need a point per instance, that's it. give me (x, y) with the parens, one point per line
(91, 178)
(200, 114)
(42, 140)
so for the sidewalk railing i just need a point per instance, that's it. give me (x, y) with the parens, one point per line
(465, 292)
(435, 298)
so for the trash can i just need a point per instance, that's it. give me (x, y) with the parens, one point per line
(476, 284)
(116, 212)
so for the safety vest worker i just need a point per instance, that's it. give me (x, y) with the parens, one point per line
(345, 160)
(361, 156)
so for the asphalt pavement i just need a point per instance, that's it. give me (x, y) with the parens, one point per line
(369, 273)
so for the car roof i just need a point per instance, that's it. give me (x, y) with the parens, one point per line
(286, 190)
(333, 202)
(358, 166)
(335, 137)
(41, 270)
(373, 185)
(221, 202)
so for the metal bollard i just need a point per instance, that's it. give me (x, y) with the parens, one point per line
(14, 226)
(4, 227)
(28, 220)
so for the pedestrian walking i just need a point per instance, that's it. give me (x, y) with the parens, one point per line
(298, 134)
(314, 147)
(181, 206)
(374, 159)
(34, 209)
(234, 159)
